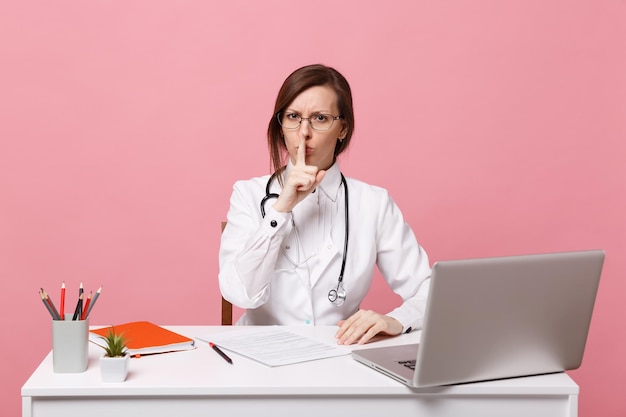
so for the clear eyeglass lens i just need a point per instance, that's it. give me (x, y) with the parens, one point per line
(318, 121)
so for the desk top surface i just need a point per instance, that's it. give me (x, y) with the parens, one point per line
(202, 372)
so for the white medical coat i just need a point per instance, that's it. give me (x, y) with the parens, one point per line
(281, 267)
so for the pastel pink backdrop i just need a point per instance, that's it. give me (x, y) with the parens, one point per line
(499, 128)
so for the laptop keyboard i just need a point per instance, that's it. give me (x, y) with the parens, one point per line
(409, 364)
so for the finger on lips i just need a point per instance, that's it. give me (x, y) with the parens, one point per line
(301, 154)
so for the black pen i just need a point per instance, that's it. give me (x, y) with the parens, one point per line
(222, 354)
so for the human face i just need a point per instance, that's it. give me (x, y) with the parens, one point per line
(320, 146)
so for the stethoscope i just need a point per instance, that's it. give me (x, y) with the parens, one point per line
(337, 296)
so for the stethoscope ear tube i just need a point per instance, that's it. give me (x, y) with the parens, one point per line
(336, 296)
(268, 195)
(340, 292)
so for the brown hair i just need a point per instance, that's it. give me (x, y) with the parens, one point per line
(300, 80)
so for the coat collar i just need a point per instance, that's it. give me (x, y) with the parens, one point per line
(330, 184)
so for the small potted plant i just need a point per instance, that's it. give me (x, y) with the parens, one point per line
(114, 363)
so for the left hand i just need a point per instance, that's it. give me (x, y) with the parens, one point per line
(365, 324)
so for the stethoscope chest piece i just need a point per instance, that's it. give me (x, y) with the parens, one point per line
(337, 296)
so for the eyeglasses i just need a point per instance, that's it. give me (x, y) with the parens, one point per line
(318, 121)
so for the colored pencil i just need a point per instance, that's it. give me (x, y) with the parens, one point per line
(62, 311)
(221, 353)
(43, 299)
(81, 291)
(55, 313)
(93, 301)
(77, 310)
(85, 309)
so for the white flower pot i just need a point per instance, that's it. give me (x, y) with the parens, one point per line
(114, 369)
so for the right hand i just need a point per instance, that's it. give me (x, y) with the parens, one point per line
(302, 181)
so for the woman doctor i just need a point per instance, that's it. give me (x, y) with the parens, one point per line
(300, 246)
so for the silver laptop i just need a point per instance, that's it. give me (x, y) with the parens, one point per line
(498, 318)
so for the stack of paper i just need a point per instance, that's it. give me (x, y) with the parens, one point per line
(274, 346)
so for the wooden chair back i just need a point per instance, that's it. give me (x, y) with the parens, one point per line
(227, 307)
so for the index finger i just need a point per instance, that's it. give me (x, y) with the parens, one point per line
(301, 154)
(344, 325)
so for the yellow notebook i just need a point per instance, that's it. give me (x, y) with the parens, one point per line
(144, 338)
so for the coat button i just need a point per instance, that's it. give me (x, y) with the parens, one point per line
(273, 223)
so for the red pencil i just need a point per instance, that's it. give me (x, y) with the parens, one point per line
(84, 315)
(62, 312)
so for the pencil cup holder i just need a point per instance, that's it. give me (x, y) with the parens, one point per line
(70, 340)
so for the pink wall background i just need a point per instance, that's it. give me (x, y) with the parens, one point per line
(499, 128)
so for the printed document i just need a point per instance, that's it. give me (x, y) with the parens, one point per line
(274, 346)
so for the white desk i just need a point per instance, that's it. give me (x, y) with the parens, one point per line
(200, 383)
